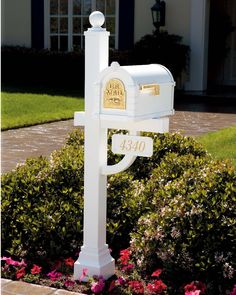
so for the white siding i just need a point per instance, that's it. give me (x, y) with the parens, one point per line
(16, 22)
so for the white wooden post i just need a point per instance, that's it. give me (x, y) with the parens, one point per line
(95, 255)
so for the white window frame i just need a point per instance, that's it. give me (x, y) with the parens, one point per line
(70, 25)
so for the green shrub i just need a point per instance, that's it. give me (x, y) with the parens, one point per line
(162, 48)
(27, 67)
(190, 229)
(42, 207)
(30, 67)
(164, 144)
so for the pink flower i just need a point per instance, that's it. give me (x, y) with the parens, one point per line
(20, 273)
(125, 252)
(10, 261)
(125, 256)
(233, 292)
(69, 283)
(54, 275)
(128, 267)
(121, 281)
(22, 263)
(195, 288)
(196, 292)
(84, 274)
(158, 287)
(35, 269)
(137, 287)
(156, 273)
(190, 287)
(69, 262)
(97, 287)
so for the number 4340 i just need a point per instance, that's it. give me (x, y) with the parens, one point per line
(131, 145)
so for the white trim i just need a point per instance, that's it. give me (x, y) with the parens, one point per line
(199, 28)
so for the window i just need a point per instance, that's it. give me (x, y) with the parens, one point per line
(66, 21)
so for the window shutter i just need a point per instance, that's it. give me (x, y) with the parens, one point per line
(37, 23)
(126, 24)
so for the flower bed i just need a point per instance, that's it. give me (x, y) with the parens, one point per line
(126, 280)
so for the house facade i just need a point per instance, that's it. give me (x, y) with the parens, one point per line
(59, 25)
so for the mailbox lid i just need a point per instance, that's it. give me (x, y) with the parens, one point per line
(148, 74)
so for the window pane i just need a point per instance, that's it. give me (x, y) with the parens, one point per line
(110, 24)
(76, 7)
(63, 43)
(54, 43)
(76, 43)
(111, 7)
(64, 7)
(86, 24)
(77, 25)
(100, 6)
(87, 7)
(54, 7)
(64, 25)
(53, 25)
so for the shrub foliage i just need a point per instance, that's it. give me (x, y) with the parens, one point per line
(26, 67)
(190, 229)
(178, 205)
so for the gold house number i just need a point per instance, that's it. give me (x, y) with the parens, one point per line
(132, 145)
(114, 96)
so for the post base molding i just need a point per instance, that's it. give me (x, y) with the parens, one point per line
(96, 261)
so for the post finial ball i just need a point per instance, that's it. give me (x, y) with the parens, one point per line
(96, 19)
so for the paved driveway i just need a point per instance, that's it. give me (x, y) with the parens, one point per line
(19, 144)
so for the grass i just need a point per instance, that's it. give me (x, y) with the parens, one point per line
(221, 144)
(21, 109)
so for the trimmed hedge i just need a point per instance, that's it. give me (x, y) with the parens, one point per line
(42, 206)
(30, 67)
(65, 70)
(190, 229)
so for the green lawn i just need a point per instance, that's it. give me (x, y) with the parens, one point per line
(221, 144)
(25, 109)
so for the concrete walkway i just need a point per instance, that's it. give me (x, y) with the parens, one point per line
(19, 144)
(9, 287)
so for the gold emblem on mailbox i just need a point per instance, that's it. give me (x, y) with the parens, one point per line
(114, 96)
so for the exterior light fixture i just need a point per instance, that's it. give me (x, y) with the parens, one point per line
(158, 14)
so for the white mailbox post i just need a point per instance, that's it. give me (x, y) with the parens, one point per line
(133, 98)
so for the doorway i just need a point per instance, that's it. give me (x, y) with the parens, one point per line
(222, 43)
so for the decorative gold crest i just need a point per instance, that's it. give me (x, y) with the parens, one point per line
(114, 96)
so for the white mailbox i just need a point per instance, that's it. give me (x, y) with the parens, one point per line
(135, 92)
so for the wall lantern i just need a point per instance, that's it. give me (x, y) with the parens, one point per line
(158, 13)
